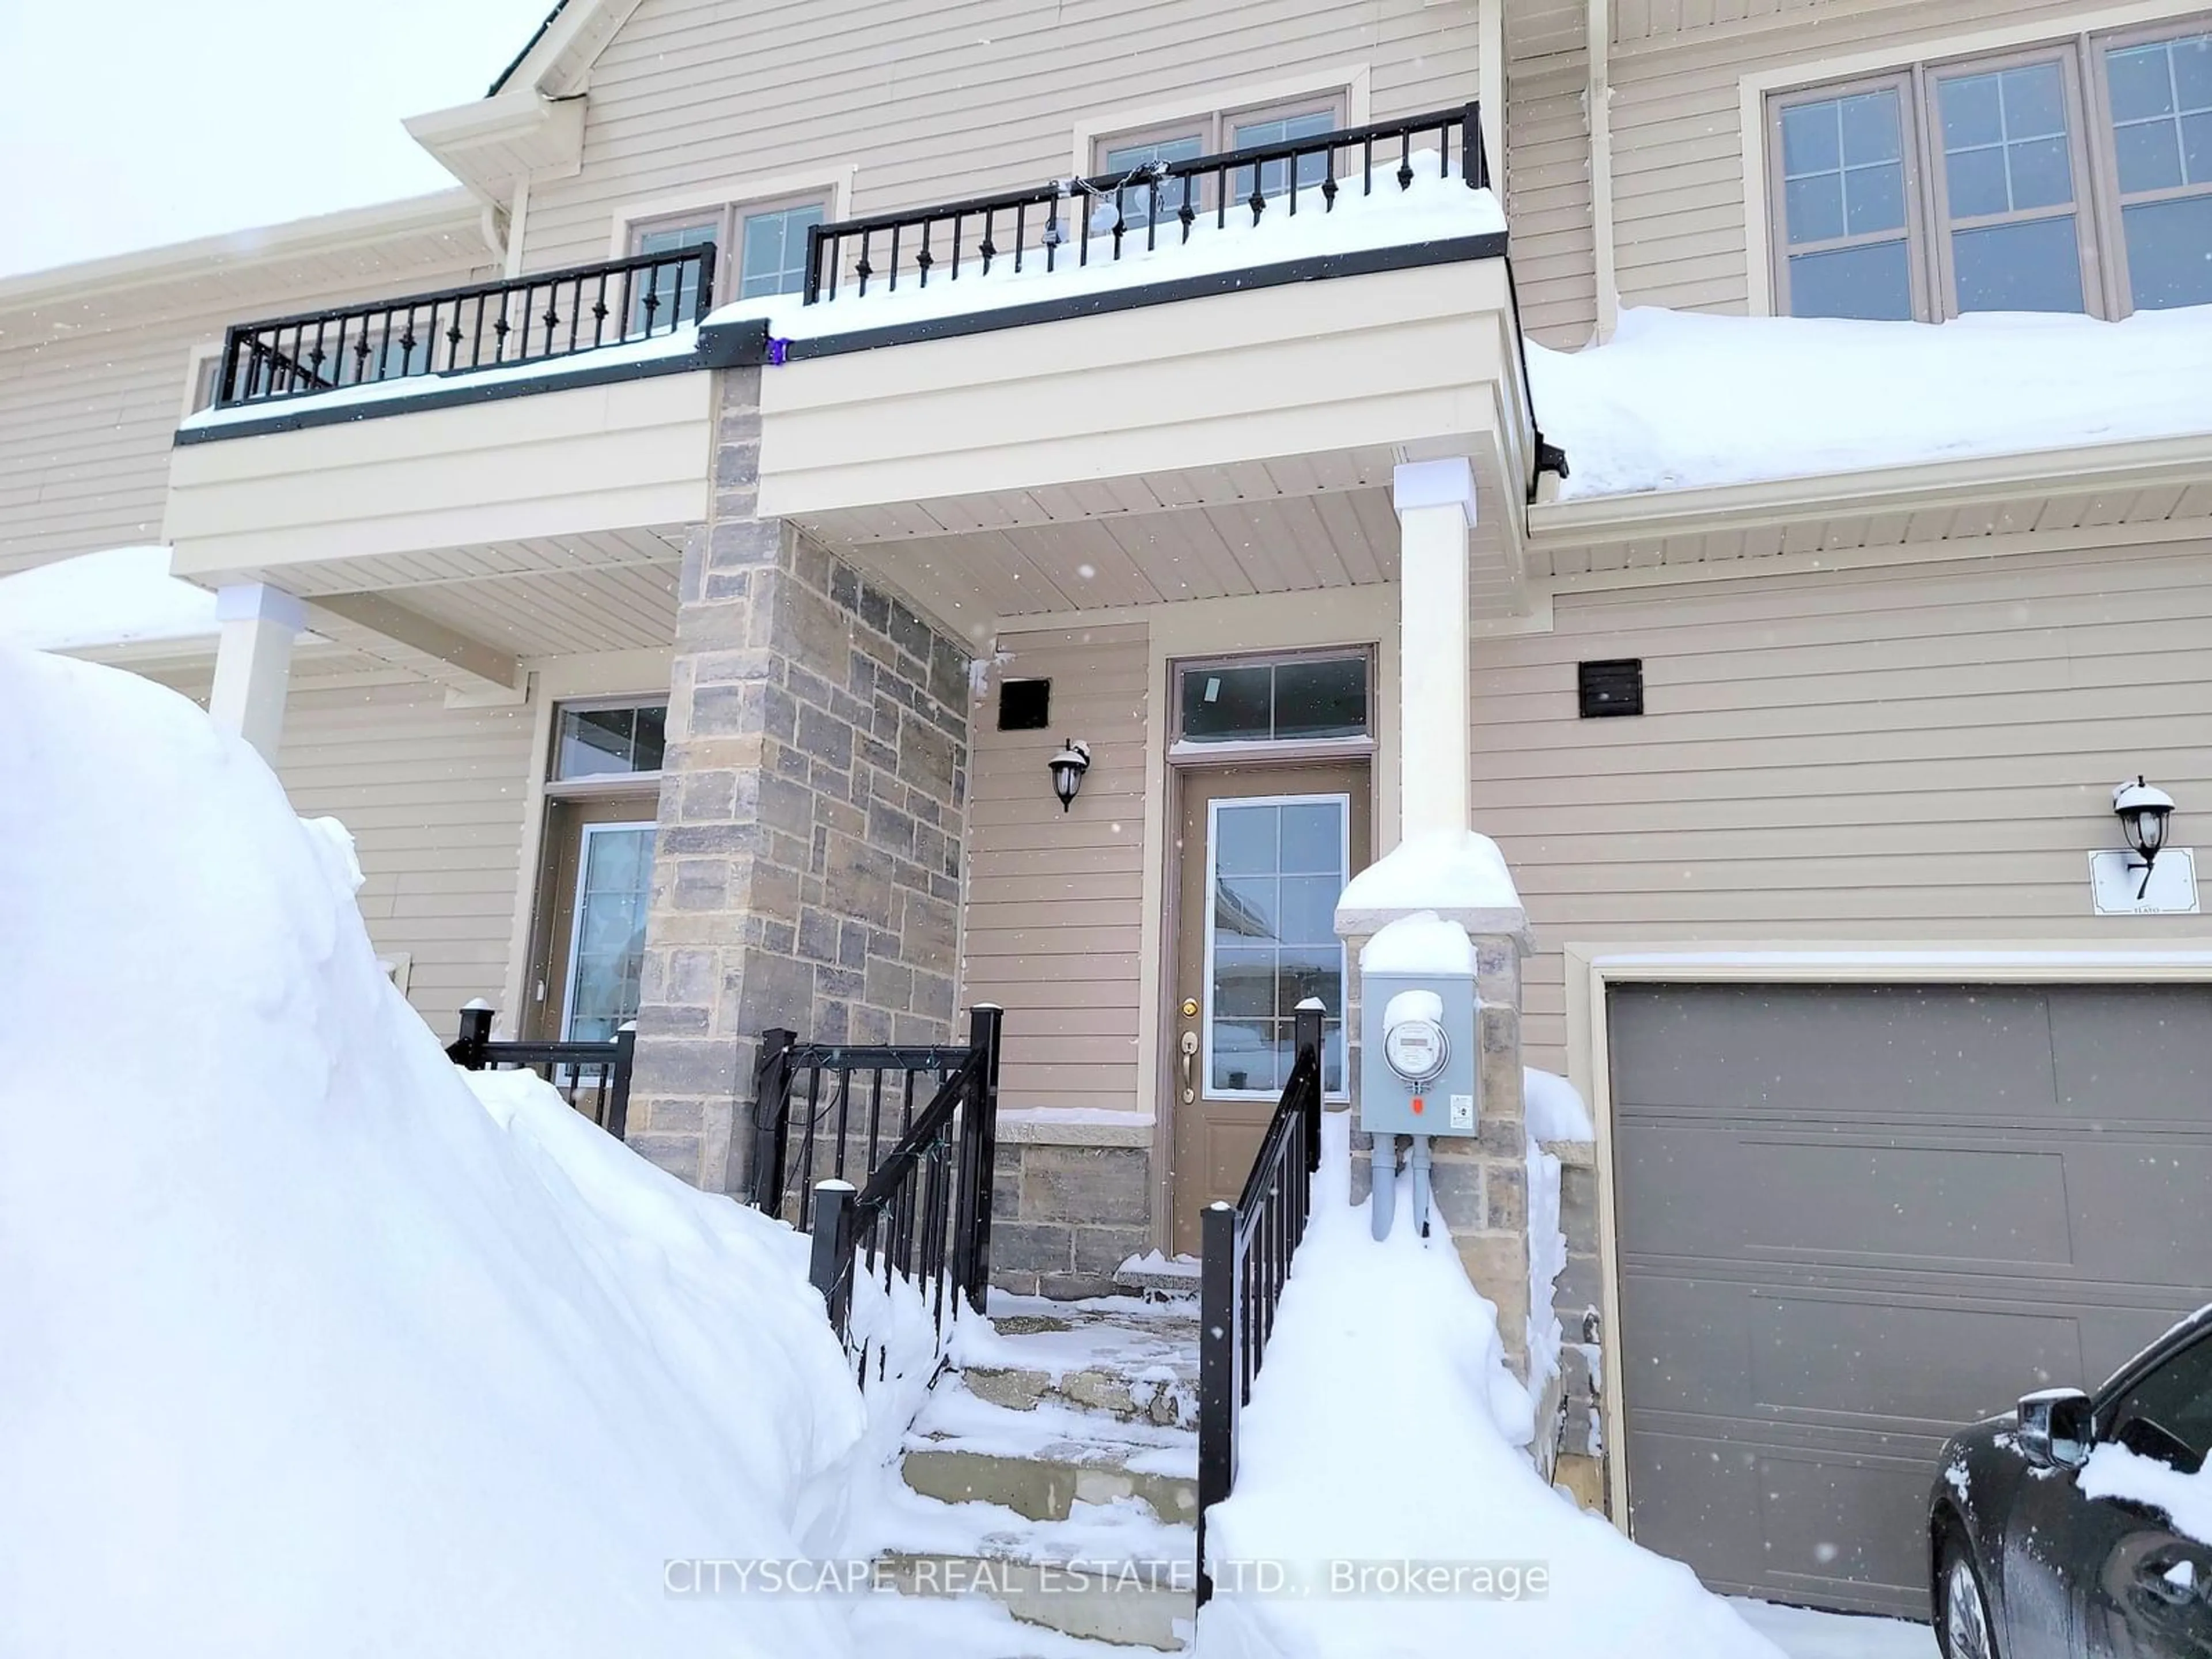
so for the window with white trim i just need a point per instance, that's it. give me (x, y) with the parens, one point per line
(1219, 130)
(769, 240)
(2074, 176)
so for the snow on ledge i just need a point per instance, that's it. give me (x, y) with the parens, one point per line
(120, 596)
(1555, 1108)
(1677, 400)
(1432, 208)
(1462, 877)
(677, 343)
(1422, 942)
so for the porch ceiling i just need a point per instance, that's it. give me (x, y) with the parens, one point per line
(1287, 525)
(557, 613)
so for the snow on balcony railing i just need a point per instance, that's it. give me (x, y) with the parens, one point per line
(1077, 221)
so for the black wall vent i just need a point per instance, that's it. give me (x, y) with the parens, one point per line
(1024, 705)
(1614, 686)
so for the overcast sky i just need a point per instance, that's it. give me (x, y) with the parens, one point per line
(126, 123)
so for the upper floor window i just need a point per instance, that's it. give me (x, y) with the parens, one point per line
(769, 240)
(2072, 177)
(1226, 129)
(1297, 699)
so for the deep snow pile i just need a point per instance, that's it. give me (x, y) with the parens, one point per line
(1431, 1472)
(1676, 399)
(302, 1351)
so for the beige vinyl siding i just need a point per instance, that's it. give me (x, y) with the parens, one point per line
(1548, 173)
(434, 799)
(1055, 899)
(90, 395)
(931, 102)
(1910, 755)
(1678, 149)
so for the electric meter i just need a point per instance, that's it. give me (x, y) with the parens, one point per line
(1416, 1049)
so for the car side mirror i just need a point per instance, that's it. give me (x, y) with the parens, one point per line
(2058, 1427)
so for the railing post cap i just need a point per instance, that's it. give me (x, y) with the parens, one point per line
(835, 1186)
(1314, 1003)
(986, 1008)
(1221, 1204)
(477, 1005)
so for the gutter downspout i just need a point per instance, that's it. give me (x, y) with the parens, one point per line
(1599, 16)
(515, 217)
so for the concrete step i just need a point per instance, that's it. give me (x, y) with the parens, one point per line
(1046, 1486)
(1157, 1275)
(1042, 1459)
(1134, 1604)
(1131, 1360)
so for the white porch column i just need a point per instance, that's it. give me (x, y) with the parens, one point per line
(1435, 510)
(254, 662)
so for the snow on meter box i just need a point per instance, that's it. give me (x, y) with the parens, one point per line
(1418, 1072)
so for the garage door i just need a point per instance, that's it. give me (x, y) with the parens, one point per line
(1854, 1217)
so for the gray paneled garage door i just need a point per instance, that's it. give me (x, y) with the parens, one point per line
(1853, 1217)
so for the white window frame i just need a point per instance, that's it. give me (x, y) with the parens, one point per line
(1214, 809)
(598, 783)
(1350, 82)
(576, 914)
(728, 202)
(1762, 229)
(196, 363)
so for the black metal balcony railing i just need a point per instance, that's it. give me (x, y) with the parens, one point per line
(528, 320)
(1087, 221)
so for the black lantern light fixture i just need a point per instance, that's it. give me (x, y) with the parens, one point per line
(2143, 809)
(1068, 767)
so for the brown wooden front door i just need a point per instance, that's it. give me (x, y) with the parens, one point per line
(1266, 850)
(591, 902)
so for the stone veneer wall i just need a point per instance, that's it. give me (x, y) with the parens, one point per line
(1070, 1203)
(807, 865)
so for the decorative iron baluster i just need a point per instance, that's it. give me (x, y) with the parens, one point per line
(1404, 160)
(864, 270)
(1187, 213)
(923, 258)
(985, 247)
(890, 283)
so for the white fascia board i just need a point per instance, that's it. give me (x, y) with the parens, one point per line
(2135, 464)
(449, 210)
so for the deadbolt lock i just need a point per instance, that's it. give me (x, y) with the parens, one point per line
(1190, 1007)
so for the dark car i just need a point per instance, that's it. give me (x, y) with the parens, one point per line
(2023, 1565)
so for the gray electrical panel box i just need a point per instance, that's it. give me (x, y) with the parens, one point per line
(1417, 1075)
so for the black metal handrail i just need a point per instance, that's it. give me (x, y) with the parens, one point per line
(923, 1214)
(458, 331)
(1064, 222)
(1247, 1248)
(591, 1076)
(843, 1103)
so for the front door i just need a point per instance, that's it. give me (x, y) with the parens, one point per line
(594, 897)
(1266, 852)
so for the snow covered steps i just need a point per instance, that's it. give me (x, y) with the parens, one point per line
(1054, 1471)
(1132, 1359)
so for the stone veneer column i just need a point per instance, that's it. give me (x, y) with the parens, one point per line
(806, 870)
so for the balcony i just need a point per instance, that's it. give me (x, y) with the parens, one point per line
(1279, 324)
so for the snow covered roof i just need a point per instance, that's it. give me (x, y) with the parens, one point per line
(1678, 400)
(120, 595)
(1434, 208)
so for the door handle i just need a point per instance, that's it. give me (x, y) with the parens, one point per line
(1188, 1045)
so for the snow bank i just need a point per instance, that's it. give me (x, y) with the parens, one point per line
(1433, 207)
(1385, 1428)
(1677, 400)
(2114, 1471)
(120, 596)
(302, 1351)
(1555, 1108)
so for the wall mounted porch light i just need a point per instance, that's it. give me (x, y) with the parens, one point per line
(2143, 810)
(1068, 767)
